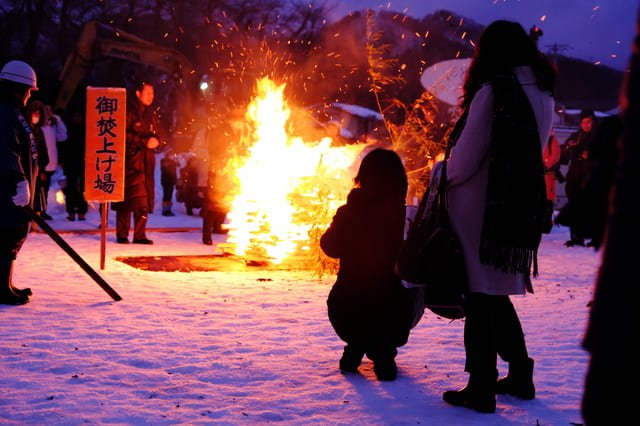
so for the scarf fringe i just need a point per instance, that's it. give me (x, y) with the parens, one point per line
(511, 260)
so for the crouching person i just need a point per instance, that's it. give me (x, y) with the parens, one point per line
(368, 307)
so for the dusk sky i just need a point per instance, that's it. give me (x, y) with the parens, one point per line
(594, 30)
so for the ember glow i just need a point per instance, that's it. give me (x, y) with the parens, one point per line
(286, 187)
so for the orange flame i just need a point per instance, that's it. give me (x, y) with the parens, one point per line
(286, 186)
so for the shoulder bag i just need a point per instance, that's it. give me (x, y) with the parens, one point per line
(431, 255)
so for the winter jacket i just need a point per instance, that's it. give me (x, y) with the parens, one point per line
(367, 305)
(613, 316)
(467, 179)
(169, 169)
(577, 151)
(586, 212)
(54, 132)
(38, 133)
(189, 191)
(142, 124)
(18, 161)
(72, 151)
(210, 146)
(551, 159)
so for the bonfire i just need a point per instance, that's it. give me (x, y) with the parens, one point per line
(285, 188)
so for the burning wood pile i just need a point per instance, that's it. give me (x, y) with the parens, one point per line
(285, 189)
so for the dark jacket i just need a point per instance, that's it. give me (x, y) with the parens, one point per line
(587, 210)
(18, 161)
(189, 190)
(368, 306)
(576, 150)
(613, 320)
(218, 184)
(169, 170)
(39, 197)
(142, 124)
(72, 151)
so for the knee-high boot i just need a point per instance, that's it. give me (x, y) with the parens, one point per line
(479, 394)
(19, 291)
(513, 349)
(208, 220)
(166, 208)
(481, 357)
(7, 295)
(218, 221)
(519, 381)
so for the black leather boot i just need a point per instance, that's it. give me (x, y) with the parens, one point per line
(207, 227)
(384, 362)
(519, 381)
(479, 394)
(7, 294)
(351, 359)
(218, 220)
(386, 369)
(19, 291)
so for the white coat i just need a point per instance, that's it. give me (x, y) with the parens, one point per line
(467, 177)
(54, 133)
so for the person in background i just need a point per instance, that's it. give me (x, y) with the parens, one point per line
(72, 154)
(18, 172)
(368, 307)
(603, 156)
(141, 141)
(497, 203)
(551, 160)
(168, 179)
(55, 132)
(576, 153)
(587, 210)
(210, 146)
(36, 116)
(190, 185)
(609, 397)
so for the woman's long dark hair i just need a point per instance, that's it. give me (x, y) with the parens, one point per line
(503, 46)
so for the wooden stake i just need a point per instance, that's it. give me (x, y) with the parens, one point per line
(71, 252)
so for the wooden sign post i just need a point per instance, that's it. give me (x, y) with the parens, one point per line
(105, 151)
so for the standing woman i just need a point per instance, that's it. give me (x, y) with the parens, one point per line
(72, 155)
(496, 194)
(54, 132)
(142, 139)
(577, 150)
(551, 160)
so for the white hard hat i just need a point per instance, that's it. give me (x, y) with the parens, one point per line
(19, 72)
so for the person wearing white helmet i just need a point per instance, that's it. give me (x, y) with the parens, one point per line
(18, 170)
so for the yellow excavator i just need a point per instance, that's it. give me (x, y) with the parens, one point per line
(98, 41)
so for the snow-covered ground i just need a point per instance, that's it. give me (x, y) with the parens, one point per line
(252, 347)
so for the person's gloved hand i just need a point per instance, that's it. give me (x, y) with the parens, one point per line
(153, 142)
(23, 195)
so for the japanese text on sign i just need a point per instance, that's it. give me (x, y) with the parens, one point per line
(106, 132)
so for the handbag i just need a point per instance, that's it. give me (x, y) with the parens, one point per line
(416, 296)
(431, 255)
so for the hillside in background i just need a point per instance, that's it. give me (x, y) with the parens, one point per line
(233, 45)
(582, 84)
(417, 44)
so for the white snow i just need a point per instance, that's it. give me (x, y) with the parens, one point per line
(252, 347)
(358, 110)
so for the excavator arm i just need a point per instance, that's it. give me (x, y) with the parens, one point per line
(102, 41)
